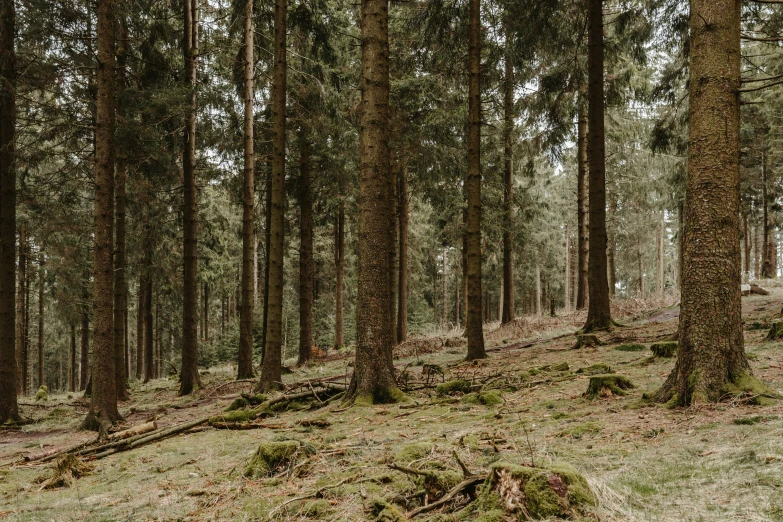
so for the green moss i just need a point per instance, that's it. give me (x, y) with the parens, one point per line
(748, 421)
(587, 340)
(595, 369)
(42, 394)
(578, 431)
(555, 491)
(381, 395)
(412, 452)
(271, 456)
(749, 387)
(775, 332)
(237, 416)
(449, 387)
(673, 402)
(246, 400)
(665, 350)
(487, 398)
(607, 385)
(385, 512)
(630, 347)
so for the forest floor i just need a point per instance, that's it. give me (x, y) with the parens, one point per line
(644, 462)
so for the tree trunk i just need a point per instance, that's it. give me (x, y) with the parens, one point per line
(598, 313)
(508, 192)
(85, 349)
(149, 355)
(270, 370)
(26, 321)
(73, 376)
(305, 251)
(140, 328)
(267, 248)
(611, 249)
(339, 263)
(661, 257)
(402, 279)
(567, 297)
(746, 246)
(121, 176)
(538, 290)
(20, 347)
(640, 260)
(756, 252)
(582, 207)
(103, 404)
(205, 308)
(41, 274)
(373, 379)
(8, 354)
(710, 354)
(245, 363)
(475, 331)
(189, 378)
(766, 261)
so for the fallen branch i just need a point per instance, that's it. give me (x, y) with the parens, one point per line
(132, 432)
(456, 490)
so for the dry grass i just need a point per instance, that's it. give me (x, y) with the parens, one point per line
(646, 463)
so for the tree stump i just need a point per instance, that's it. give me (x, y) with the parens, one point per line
(666, 350)
(776, 332)
(556, 491)
(607, 385)
(583, 340)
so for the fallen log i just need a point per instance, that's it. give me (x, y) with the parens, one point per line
(470, 482)
(132, 432)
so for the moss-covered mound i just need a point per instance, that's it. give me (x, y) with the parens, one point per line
(42, 394)
(632, 347)
(775, 332)
(513, 492)
(486, 398)
(246, 400)
(385, 512)
(607, 385)
(67, 469)
(449, 387)
(666, 350)
(271, 457)
(595, 369)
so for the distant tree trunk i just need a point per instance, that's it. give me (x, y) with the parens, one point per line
(270, 369)
(85, 349)
(710, 353)
(746, 244)
(598, 312)
(339, 264)
(205, 307)
(465, 271)
(640, 259)
(444, 290)
(402, 279)
(582, 206)
(26, 322)
(538, 290)
(121, 176)
(73, 382)
(140, 328)
(267, 248)
(156, 371)
(373, 379)
(508, 192)
(189, 378)
(305, 251)
(475, 330)
(149, 356)
(756, 252)
(611, 273)
(126, 339)
(766, 261)
(245, 363)
(41, 274)
(20, 288)
(103, 404)
(567, 279)
(9, 409)
(661, 257)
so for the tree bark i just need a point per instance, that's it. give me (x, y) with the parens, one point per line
(9, 409)
(475, 330)
(41, 282)
(582, 207)
(189, 378)
(305, 251)
(766, 261)
(149, 356)
(598, 312)
(140, 328)
(538, 290)
(26, 322)
(84, 355)
(339, 262)
(270, 369)
(103, 404)
(661, 257)
(205, 308)
(245, 363)
(756, 252)
(611, 249)
(710, 354)
(121, 176)
(508, 185)
(567, 297)
(373, 379)
(20, 287)
(73, 376)
(746, 245)
(402, 279)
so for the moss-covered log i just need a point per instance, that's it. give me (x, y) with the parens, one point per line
(595, 369)
(513, 492)
(607, 385)
(665, 350)
(449, 387)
